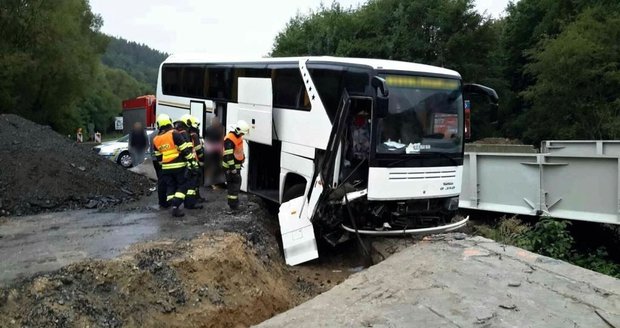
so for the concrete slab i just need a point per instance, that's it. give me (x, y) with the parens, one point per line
(471, 282)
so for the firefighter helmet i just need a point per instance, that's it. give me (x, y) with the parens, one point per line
(242, 127)
(163, 120)
(189, 121)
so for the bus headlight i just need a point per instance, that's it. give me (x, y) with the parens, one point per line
(452, 204)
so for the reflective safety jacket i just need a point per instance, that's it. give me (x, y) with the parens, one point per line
(233, 152)
(172, 150)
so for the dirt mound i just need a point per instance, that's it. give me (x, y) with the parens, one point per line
(498, 141)
(216, 280)
(41, 170)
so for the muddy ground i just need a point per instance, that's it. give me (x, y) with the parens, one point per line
(135, 266)
(43, 171)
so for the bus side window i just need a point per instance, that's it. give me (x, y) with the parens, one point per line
(218, 83)
(329, 85)
(289, 90)
(171, 76)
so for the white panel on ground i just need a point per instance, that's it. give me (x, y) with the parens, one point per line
(255, 107)
(298, 239)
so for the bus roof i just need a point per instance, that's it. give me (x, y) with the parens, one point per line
(378, 64)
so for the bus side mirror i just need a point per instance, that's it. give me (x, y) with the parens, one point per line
(489, 93)
(482, 90)
(379, 83)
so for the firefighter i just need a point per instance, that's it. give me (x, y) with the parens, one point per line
(194, 133)
(177, 159)
(232, 160)
(182, 125)
(161, 187)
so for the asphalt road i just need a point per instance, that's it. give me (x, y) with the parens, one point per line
(46, 242)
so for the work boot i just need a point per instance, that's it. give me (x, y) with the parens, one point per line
(233, 210)
(176, 212)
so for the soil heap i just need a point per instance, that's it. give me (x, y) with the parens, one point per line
(219, 279)
(40, 170)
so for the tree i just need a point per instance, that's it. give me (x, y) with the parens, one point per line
(103, 100)
(447, 33)
(49, 52)
(138, 60)
(577, 78)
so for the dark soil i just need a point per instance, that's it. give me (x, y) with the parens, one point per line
(41, 170)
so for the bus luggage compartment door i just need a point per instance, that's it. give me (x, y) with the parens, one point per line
(255, 107)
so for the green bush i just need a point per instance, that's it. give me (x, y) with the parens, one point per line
(509, 231)
(597, 261)
(549, 237)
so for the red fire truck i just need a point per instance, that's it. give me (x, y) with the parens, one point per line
(141, 109)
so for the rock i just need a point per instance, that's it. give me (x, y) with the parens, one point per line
(514, 284)
(127, 191)
(91, 204)
(81, 168)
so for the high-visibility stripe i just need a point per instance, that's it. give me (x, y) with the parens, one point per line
(198, 147)
(231, 162)
(170, 197)
(179, 195)
(228, 152)
(232, 197)
(225, 165)
(189, 156)
(191, 192)
(237, 166)
(185, 146)
(156, 153)
(170, 166)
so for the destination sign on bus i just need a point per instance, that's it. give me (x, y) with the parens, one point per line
(421, 82)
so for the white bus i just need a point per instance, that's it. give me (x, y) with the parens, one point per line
(345, 145)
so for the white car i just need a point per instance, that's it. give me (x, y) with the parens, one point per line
(118, 150)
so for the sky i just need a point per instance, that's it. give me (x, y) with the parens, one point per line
(234, 28)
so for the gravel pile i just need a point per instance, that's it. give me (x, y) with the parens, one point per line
(41, 170)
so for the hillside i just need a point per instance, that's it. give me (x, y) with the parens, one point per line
(138, 60)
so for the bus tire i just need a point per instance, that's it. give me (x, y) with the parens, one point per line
(294, 192)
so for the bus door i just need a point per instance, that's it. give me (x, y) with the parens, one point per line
(255, 107)
(296, 216)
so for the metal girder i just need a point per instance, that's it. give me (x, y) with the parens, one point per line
(564, 185)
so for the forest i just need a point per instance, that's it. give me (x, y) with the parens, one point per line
(57, 68)
(554, 63)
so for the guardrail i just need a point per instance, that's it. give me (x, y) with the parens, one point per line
(558, 184)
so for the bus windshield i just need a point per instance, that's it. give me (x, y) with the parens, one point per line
(425, 115)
